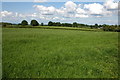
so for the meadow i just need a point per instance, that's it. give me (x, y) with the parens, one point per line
(55, 53)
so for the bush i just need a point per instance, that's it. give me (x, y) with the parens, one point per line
(24, 22)
(34, 23)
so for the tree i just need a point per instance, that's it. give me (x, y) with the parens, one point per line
(58, 24)
(42, 24)
(100, 26)
(91, 26)
(105, 27)
(24, 22)
(19, 24)
(75, 24)
(34, 23)
(4, 24)
(96, 25)
(50, 23)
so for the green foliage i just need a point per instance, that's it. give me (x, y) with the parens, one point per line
(48, 53)
(24, 22)
(75, 24)
(34, 23)
(96, 25)
(19, 24)
(42, 24)
(111, 28)
(4, 24)
(56, 24)
(50, 23)
(66, 24)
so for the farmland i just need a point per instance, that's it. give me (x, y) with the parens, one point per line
(55, 53)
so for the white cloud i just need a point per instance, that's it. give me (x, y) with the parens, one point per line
(94, 8)
(9, 14)
(109, 4)
(80, 11)
(81, 16)
(5, 13)
(56, 18)
(97, 9)
(70, 9)
(34, 15)
(70, 6)
(60, 11)
(51, 9)
(45, 10)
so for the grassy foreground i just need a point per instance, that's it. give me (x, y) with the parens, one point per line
(48, 53)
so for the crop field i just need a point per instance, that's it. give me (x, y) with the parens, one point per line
(55, 53)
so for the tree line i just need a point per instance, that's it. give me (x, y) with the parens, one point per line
(74, 24)
(50, 23)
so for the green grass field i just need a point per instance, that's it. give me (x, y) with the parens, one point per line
(54, 53)
(56, 27)
(69, 28)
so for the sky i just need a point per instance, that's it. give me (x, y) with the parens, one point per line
(55, 0)
(80, 11)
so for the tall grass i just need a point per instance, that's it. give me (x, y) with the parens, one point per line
(47, 53)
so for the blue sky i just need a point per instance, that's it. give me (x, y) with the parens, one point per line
(28, 6)
(88, 12)
(56, 0)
